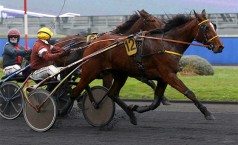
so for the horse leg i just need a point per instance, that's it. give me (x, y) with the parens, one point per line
(165, 101)
(86, 77)
(181, 87)
(85, 80)
(158, 96)
(208, 115)
(151, 83)
(107, 79)
(119, 81)
(148, 82)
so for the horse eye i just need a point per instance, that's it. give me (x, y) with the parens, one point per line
(207, 29)
(215, 26)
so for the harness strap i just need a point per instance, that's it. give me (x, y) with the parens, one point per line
(138, 56)
(212, 38)
(171, 52)
(202, 22)
(199, 24)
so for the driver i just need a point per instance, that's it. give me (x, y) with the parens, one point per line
(13, 53)
(42, 57)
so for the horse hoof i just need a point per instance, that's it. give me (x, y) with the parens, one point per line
(166, 102)
(133, 120)
(133, 107)
(210, 117)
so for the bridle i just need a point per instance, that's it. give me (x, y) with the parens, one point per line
(206, 43)
(203, 27)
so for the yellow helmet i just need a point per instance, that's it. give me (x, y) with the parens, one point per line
(44, 33)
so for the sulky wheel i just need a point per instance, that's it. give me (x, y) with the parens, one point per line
(101, 115)
(42, 119)
(11, 100)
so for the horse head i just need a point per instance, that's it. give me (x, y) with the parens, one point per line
(206, 33)
(125, 28)
(149, 21)
(141, 21)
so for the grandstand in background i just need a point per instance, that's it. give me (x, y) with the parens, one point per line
(71, 23)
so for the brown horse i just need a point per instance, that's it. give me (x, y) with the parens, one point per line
(158, 59)
(137, 22)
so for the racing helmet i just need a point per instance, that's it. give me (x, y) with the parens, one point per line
(44, 33)
(13, 33)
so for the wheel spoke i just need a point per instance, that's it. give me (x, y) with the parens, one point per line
(101, 115)
(2, 96)
(5, 107)
(15, 96)
(14, 107)
(43, 119)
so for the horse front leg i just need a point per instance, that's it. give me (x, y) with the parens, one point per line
(181, 87)
(158, 96)
(119, 81)
(151, 83)
(207, 114)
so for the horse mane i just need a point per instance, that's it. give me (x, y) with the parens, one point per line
(125, 26)
(173, 22)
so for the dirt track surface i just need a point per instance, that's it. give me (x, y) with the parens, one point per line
(177, 124)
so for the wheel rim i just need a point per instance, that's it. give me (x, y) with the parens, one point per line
(103, 115)
(11, 100)
(45, 118)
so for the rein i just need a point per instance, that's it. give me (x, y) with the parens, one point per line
(74, 49)
(64, 41)
(174, 41)
(80, 62)
(181, 42)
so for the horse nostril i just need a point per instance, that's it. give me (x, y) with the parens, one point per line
(221, 47)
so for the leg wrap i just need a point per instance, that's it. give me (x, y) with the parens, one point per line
(187, 92)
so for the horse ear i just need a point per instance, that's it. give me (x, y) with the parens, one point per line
(138, 12)
(199, 17)
(144, 14)
(141, 13)
(204, 14)
(196, 15)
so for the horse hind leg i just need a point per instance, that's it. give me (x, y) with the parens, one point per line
(151, 83)
(159, 92)
(130, 113)
(87, 77)
(142, 109)
(119, 81)
(107, 79)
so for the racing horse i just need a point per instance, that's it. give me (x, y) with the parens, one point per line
(137, 22)
(159, 56)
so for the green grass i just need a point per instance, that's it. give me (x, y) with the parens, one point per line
(222, 86)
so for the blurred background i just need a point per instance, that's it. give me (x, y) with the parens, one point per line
(71, 17)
